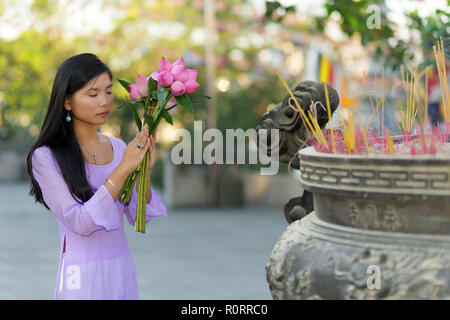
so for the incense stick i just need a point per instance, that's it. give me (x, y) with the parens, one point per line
(382, 99)
(439, 56)
(333, 143)
(302, 113)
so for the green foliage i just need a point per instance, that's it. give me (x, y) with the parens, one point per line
(244, 108)
(152, 85)
(273, 6)
(134, 46)
(354, 16)
(185, 102)
(133, 108)
(167, 116)
(125, 84)
(163, 95)
(27, 68)
(41, 6)
(430, 28)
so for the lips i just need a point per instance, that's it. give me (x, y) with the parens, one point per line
(103, 114)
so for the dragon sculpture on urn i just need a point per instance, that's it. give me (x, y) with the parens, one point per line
(293, 135)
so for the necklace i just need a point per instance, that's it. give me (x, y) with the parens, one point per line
(94, 155)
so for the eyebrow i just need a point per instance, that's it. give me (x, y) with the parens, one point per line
(99, 89)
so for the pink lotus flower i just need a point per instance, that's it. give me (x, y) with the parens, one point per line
(191, 86)
(142, 86)
(154, 76)
(165, 79)
(178, 88)
(164, 65)
(176, 76)
(133, 91)
(192, 74)
(140, 89)
(179, 73)
(179, 62)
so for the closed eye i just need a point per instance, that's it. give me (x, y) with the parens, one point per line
(93, 96)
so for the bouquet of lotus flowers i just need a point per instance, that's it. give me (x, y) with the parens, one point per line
(171, 82)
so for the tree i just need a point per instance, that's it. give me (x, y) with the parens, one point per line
(355, 18)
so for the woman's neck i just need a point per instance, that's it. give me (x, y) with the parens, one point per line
(86, 134)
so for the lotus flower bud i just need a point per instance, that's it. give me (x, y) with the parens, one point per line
(154, 76)
(178, 88)
(142, 86)
(179, 62)
(165, 79)
(191, 86)
(164, 65)
(179, 73)
(192, 74)
(133, 91)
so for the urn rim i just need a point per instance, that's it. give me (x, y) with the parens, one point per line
(375, 175)
(311, 154)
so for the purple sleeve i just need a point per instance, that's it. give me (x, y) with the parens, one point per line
(156, 207)
(98, 213)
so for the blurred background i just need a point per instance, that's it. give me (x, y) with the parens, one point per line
(238, 46)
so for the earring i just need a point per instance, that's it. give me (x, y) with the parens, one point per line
(68, 118)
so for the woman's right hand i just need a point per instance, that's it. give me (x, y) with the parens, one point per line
(132, 155)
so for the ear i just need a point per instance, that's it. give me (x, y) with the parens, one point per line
(67, 102)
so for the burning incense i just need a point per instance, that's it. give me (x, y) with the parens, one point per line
(382, 99)
(304, 117)
(349, 134)
(333, 142)
(439, 57)
(411, 111)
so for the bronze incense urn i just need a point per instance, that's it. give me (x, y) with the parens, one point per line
(380, 229)
(366, 226)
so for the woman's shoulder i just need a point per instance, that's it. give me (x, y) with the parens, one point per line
(43, 156)
(42, 152)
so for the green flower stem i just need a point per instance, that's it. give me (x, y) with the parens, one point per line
(155, 124)
(157, 112)
(123, 192)
(143, 171)
(127, 189)
(137, 223)
(142, 195)
(134, 176)
(143, 185)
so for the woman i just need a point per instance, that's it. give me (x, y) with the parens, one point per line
(78, 173)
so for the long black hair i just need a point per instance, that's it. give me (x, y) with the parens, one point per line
(58, 134)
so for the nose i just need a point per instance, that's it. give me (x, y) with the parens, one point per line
(104, 101)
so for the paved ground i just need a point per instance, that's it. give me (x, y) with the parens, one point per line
(190, 254)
